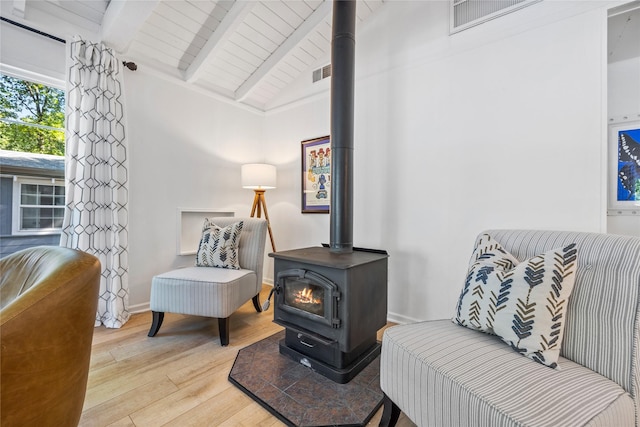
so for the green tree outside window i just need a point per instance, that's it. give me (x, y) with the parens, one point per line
(31, 117)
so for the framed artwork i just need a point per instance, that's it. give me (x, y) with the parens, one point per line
(624, 152)
(316, 175)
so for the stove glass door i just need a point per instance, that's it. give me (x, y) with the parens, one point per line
(306, 294)
(303, 295)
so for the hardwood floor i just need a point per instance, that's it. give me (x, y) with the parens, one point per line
(179, 377)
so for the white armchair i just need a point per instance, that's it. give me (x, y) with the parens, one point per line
(211, 291)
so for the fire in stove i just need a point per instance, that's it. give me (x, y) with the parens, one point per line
(305, 299)
(305, 296)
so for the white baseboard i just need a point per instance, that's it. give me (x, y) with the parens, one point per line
(139, 308)
(400, 319)
(391, 317)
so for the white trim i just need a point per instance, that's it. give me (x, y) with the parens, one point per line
(482, 19)
(604, 129)
(139, 308)
(15, 206)
(623, 7)
(31, 76)
(189, 227)
(400, 319)
(298, 102)
(391, 317)
(35, 125)
(624, 119)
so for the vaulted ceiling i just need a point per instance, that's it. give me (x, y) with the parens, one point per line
(246, 51)
(243, 50)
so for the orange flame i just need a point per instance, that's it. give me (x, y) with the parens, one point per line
(305, 296)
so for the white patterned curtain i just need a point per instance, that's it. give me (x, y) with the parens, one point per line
(96, 217)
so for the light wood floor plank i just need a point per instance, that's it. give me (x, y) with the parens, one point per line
(251, 415)
(180, 376)
(119, 407)
(215, 411)
(125, 422)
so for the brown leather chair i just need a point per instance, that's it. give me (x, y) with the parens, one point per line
(48, 301)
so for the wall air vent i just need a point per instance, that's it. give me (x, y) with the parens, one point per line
(322, 73)
(467, 13)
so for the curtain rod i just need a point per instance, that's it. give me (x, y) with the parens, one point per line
(26, 27)
(130, 65)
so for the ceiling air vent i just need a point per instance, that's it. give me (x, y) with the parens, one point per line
(467, 13)
(322, 73)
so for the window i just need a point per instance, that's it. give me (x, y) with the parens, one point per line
(32, 141)
(38, 206)
(31, 117)
(467, 13)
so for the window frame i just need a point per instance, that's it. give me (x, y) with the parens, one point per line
(26, 75)
(16, 218)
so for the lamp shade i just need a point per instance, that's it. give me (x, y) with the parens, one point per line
(258, 176)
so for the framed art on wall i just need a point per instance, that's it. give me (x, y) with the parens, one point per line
(624, 152)
(316, 175)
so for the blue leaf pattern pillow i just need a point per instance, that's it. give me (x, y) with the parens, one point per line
(524, 303)
(219, 246)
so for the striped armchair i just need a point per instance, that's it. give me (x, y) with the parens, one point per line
(212, 291)
(441, 374)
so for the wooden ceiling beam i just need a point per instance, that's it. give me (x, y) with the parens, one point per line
(291, 42)
(123, 19)
(229, 24)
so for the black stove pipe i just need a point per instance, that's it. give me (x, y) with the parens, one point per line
(343, 46)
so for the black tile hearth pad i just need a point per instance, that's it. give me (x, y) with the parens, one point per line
(301, 397)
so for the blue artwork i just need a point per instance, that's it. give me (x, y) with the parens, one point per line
(629, 165)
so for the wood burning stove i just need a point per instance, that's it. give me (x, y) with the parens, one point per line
(332, 306)
(333, 300)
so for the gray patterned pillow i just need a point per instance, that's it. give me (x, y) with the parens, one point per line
(219, 245)
(524, 303)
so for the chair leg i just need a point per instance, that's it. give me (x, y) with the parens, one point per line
(223, 328)
(256, 303)
(158, 317)
(390, 413)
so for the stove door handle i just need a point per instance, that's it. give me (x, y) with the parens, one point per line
(303, 342)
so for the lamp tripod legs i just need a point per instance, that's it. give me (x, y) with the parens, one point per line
(259, 205)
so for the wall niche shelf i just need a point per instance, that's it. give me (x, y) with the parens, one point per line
(189, 227)
(625, 211)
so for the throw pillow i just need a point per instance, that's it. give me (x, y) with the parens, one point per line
(219, 246)
(524, 303)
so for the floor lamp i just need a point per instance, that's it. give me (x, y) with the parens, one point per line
(260, 177)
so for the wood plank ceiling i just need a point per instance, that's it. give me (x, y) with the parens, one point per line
(245, 51)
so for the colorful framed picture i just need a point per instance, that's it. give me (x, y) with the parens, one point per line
(316, 175)
(624, 152)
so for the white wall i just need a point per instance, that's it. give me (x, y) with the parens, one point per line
(185, 150)
(33, 56)
(499, 126)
